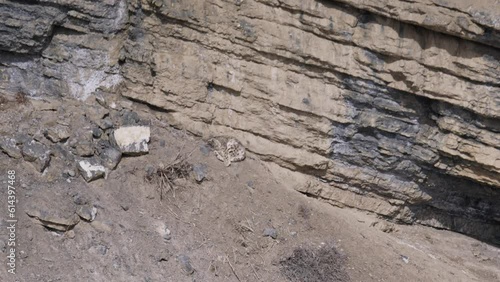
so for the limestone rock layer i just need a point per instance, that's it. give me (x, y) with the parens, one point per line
(393, 105)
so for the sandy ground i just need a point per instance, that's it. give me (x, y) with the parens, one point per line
(217, 224)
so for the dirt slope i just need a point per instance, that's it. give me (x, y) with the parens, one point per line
(217, 224)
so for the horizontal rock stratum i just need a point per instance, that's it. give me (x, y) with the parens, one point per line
(394, 105)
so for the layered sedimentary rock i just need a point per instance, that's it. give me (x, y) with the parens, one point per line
(394, 105)
(60, 47)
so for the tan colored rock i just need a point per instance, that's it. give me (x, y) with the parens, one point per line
(54, 220)
(58, 133)
(460, 18)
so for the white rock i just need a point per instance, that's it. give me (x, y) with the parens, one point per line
(132, 139)
(91, 171)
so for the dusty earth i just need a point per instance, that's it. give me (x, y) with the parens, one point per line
(215, 227)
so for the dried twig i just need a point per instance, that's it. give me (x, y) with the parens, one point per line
(232, 268)
(255, 272)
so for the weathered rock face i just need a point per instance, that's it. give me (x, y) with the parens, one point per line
(60, 48)
(395, 105)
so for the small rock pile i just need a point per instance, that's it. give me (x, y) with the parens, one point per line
(90, 138)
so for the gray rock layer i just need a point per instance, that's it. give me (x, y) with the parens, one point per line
(395, 105)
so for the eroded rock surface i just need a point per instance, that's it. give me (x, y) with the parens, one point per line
(395, 105)
(58, 48)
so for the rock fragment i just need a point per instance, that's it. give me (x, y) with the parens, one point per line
(105, 124)
(96, 113)
(71, 234)
(96, 132)
(110, 157)
(60, 222)
(200, 172)
(132, 140)
(84, 149)
(91, 169)
(57, 133)
(67, 173)
(22, 138)
(167, 234)
(405, 259)
(87, 212)
(82, 142)
(150, 171)
(270, 232)
(37, 153)
(185, 263)
(8, 146)
(130, 118)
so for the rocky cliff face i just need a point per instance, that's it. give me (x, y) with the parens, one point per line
(393, 105)
(60, 48)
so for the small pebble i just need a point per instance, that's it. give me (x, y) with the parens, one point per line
(186, 264)
(167, 235)
(106, 124)
(70, 234)
(96, 132)
(69, 173)
(150, 170)
(200, 172)
(405, 259)
(270, 232)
